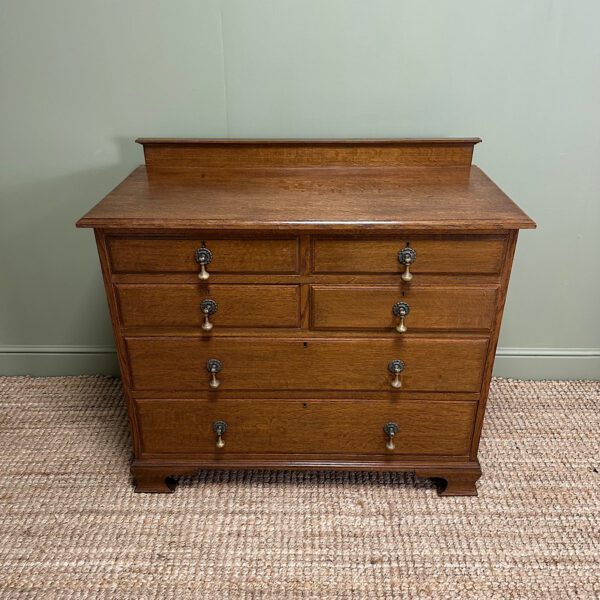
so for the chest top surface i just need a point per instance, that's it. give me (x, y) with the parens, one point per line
(315, 185)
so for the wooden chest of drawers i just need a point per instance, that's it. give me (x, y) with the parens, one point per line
(306, 305)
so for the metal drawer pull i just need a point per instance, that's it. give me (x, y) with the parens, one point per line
(203, 256)
(390, 429)
(395, 368)
(407, 257)
(220, 427)
(214, 366)
(209, 307)
(401, 309)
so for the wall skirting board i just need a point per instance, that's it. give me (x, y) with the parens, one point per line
(517, 363)
(42, 361)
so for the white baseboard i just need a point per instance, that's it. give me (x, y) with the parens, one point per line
(517, 363)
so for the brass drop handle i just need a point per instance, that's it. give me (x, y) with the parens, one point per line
(395, 368)
(220, 427)
(203, 256)
(390, 429)
(208, 307)
(401, 310)
(214, 366)
(407, 257)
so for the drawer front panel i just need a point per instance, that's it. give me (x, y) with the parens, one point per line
(279, 364)
(370, 307)
(178, 305)
(483, 255)
(151, 255)
(306, 426)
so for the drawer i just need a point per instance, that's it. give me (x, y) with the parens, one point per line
(436, 254)
(306, 426)
(429, 307)
(178, 305)
(431, 364)
(150, 255)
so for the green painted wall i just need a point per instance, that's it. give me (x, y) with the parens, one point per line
(80, 80)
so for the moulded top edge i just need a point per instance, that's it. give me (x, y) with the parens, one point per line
(304, 141)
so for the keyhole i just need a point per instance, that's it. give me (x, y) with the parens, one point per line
(305, 344)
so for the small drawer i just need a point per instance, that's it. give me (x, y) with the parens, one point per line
(438, 428)
(260, 363)
(434, 255)
(181, 305)
(154, 255)
(423, 307)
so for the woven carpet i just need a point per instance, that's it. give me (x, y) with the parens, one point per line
(71, 527)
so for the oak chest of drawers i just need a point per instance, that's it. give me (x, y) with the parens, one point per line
(306, 305)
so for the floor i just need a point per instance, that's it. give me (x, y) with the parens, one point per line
(71, 527)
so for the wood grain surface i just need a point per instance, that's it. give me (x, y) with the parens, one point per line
(431, 307)
(305, 427)
(350, 199)
(435, 254)
(306, 153)
(147, 255)
(167, 363)
(172, 305)
(343, 185)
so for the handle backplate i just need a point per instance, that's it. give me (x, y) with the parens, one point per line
(220, 427)
(208, 307)
(390, 429)
(407, 257)
(203, 256)
(395, 367)
(401, 310)
(214, 366)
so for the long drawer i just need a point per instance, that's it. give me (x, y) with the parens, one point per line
(152, 255)
(435, 254)
(305, 427)
(428, 307)
(441, 364)
(179, 305)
